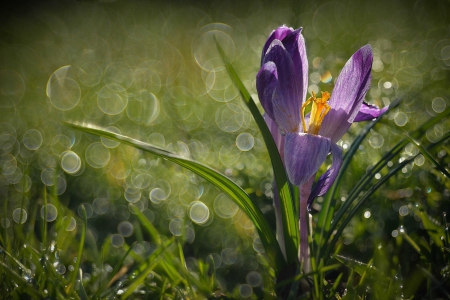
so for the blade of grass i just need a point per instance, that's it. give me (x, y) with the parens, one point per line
(335, 286)
(21, 266)
(429, 156)
(220, 181)
(80, 251)
(438, 284)
(113, 273)
(303, 275)
(19, 280)
(289, 207)
(184, 267)
(149, 263)
(151, 230)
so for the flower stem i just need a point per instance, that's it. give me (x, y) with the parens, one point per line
(305, 190)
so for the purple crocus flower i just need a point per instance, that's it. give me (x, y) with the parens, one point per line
(307, 140)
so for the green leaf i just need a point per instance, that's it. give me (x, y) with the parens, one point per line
(147, 225)
(289, 207)
(220, 181)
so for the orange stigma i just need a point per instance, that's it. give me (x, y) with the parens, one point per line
(319, 109)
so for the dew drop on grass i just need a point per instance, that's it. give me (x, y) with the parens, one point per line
(70, 162)
(176, 227)
(125, 228)
(245, 141)
(49, 212)
(19, 215)
(32, 139)
(117, 240)
(5, 222)
(199, 212)
(71, 224)
(253, 278)
(245, 291)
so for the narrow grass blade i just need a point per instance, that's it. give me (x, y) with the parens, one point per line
(220, 181)
(80, 251)
(147, 225)
(429, 156)
(21, 282)
(336, 283)
(113, 273)
(289, 207)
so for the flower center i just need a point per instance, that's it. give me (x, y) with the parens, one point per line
(319, 109)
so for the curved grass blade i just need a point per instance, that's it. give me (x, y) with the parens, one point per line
(220, 181)
(21, 282)
(147, 225)
(289, 207)
(436, 282)
(429, 156)
(80, 251)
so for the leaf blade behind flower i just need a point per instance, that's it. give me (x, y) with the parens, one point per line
(289, 207)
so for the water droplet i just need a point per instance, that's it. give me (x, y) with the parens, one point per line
(117, 240)
(19, 215)
(245, 141)
(199, 212)
(176, 227)
(70, 162)
(125, 228)
(5, 222)
(71, 224)
(32, 139)
(49, 212)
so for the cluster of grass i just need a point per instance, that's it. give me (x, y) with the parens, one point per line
(34, 256)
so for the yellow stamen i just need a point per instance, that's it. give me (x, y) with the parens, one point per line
(319, 109)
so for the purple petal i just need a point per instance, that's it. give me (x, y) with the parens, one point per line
(279, 34)
(326, 180)
(348, 94)
(266, 82)
(304, 154)
(295, 46)
(368, 112)
(277, 137)
(286, 102)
